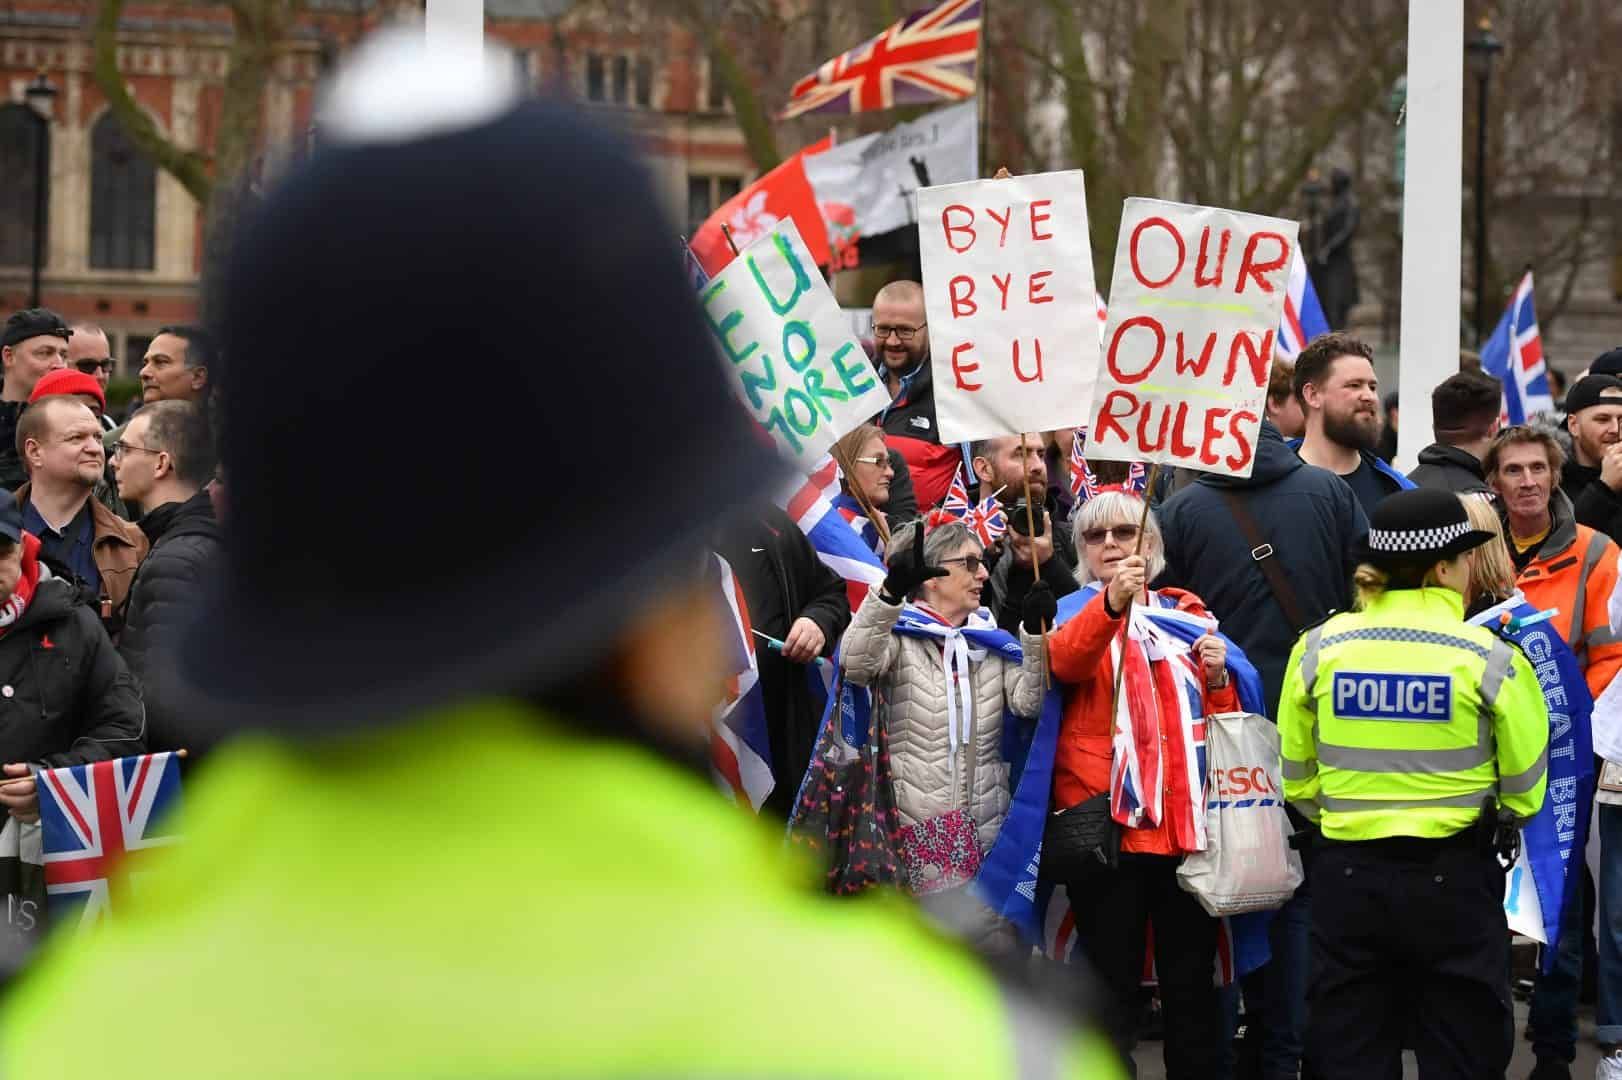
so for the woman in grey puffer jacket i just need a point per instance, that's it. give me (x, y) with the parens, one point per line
(942, 698)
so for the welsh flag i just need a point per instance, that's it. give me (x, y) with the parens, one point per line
(782, 193)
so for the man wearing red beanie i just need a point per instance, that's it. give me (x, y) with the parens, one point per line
(71, 381)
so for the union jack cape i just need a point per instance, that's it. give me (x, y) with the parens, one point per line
(809, 503)
(740, 747)
(99, 823)
(929, 56)
(1514, 356)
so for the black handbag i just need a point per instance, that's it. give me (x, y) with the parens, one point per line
(1080, 841)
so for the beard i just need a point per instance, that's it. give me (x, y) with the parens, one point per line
(1360, 431)
(915, 356)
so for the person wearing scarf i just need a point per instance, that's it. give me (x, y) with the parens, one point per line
(1146, 748)
(942, 676)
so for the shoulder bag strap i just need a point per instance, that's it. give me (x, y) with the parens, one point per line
(1266, 561)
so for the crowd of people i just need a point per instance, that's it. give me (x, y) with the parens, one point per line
(486, 767)
(1270, 558)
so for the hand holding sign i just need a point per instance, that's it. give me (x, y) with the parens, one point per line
(789, 348)
(1194, 306)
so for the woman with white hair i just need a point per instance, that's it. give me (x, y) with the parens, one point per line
(942, 676)
(1147, 739)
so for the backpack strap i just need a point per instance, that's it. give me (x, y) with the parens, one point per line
(1266, 560)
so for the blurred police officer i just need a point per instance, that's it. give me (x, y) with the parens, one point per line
(475, 845)
(1405, 733)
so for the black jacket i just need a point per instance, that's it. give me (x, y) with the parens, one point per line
(66, 697)
(12, 474)
(783, 579)
(1597, 506)
(167, 587)
(1450, 469)
(1309, 516)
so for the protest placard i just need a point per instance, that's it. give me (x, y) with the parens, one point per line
(1193, 310)
(788, 347)
(1009, 298)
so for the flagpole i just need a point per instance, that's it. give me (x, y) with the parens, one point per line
(1126, 620)
(982, 82)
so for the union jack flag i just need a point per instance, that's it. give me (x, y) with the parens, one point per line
(1514, 356)
(98, 823)
(840, 547)
(927, 57)
(956, 502)
(740, 748)
(1303, 317)
(988, 521)
(1084, 483)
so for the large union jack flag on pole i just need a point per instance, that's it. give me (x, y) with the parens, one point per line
(927, 57)
(97, 823)
(1514, 356)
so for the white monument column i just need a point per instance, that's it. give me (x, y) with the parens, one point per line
(1432, 189)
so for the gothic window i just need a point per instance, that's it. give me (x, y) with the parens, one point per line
(19, 130)
(123, 200)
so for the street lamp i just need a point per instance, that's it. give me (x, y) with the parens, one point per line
(40, 94)
(1482, 50)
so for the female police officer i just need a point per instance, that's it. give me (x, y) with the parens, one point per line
(1404, 731)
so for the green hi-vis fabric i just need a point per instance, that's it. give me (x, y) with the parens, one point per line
(1401, 719)
(478, 895)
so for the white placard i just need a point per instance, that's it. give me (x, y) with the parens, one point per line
(788, 346)
(1011, 304)
(1194, 307)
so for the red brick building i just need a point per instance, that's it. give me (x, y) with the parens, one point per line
(123, 240)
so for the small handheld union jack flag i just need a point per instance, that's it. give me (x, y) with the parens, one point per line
(1084, 483)
(988, 521)
(99, 822)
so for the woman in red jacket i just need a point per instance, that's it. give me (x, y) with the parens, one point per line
(1152, 733)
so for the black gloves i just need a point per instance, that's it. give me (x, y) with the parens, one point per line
(908, 570)
(1040, 608)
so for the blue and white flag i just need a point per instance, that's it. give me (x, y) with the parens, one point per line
(1537, 884)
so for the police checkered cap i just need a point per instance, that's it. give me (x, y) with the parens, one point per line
(1424, 523)
(1400, 541)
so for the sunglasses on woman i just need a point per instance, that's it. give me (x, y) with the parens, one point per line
(971, 563)
(1123, 534)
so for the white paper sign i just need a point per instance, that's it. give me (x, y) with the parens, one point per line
(867, 184)
(789, 348)
(1008, 293)
(1193, 310)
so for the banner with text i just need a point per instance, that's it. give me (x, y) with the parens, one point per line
(789, 348)
(1194, 308)
(1009, 297)
(866, 186)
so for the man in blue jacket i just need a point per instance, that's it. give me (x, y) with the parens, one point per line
(1270, 554)
(1339, 393)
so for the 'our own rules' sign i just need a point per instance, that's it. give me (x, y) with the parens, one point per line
(1195, 303)
(1010, 302)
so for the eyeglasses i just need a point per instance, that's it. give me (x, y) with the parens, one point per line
(1124, 534)
(121, 447)
(90, 367)
(878, 461)
(971, 563)
(882, 333)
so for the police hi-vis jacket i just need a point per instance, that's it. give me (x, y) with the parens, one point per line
(1400, 719)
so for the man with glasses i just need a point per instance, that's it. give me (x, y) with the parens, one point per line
(901, 353)
(90, 352)
(163, 460)
(1271, 554)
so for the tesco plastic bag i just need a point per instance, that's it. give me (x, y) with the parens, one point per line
(1247, 864)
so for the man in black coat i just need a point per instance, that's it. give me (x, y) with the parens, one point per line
(1004, 466)
(1592, 476)
(66, 697)
(1464, 416)
(163, 461)
(795, 598)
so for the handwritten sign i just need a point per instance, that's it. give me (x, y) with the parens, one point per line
(1008, 292)
(1194, 306)
(789, 347)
